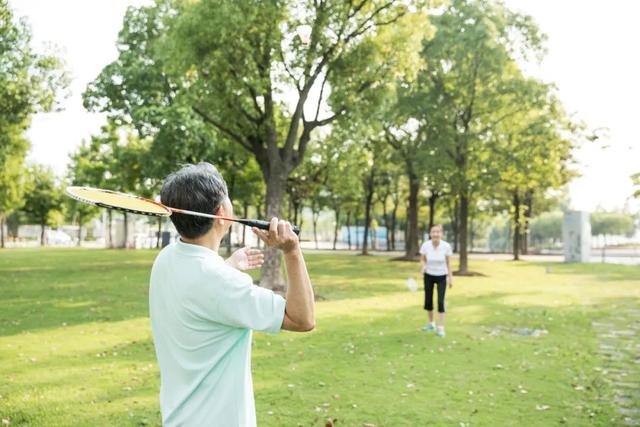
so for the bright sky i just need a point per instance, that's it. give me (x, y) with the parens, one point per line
(590, 58)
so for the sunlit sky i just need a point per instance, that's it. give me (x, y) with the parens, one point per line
(592, 58)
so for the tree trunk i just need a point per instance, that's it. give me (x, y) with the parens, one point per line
(604, 247)
(357, 239)
(395, 198)
(299, 219)
(387, 222)
(1, 231)
(432, 208)
(348, 229)
(411, 240)
(455, 226)
(159, 232)
(393, 226)
(295, 213)
(463, 233)
(126, 230)
(109, 228)
(42, 225)
(335, 230)
(471, 233)
(272, 277)
(228, 239)
(369, 188)
(79, 229)
(245, 213)
(516, 226)
(315, 215)
(527, 220)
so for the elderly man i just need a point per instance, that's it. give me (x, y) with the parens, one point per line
(204, 308)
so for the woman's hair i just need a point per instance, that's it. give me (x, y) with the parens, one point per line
(436, 226)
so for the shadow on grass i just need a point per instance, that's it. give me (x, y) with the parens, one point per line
(382, 370)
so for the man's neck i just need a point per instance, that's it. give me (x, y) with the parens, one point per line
(210, 240)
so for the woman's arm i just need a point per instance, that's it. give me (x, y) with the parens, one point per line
(423, 262)
(449, 272)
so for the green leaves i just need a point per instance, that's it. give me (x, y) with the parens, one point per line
(612, 223)
(636, 182)
(43, 195)
(29, 83)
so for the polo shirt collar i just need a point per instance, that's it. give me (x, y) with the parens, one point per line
(197, 250)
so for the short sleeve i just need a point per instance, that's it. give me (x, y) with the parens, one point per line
(239, 303)
(423, 249)
(449, 252)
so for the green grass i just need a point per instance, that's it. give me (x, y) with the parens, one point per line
(76, 349)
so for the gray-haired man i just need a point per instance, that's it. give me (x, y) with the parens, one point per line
(204, 308)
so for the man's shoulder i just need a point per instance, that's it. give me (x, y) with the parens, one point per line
(223, 274)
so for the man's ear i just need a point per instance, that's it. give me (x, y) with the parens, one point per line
(220, 212)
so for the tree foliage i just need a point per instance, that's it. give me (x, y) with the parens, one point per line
(29, 83)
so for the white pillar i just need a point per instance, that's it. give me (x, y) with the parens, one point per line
(576, 236)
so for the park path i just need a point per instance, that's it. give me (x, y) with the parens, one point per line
(619, 342)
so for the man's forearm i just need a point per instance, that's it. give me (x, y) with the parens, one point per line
(300, 299)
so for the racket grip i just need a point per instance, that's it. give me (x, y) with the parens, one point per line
(264, 225)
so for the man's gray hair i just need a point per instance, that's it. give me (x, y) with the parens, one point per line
(198, 188)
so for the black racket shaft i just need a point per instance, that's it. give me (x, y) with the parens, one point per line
(263, 225)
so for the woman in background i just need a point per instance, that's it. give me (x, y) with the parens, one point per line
(435, 258)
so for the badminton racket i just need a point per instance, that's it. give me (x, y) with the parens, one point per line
(141, 206)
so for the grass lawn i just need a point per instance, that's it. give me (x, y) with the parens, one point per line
(76, 349)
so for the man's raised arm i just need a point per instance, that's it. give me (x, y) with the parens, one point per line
(300, 308)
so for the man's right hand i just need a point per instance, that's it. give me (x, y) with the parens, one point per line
(280, 235)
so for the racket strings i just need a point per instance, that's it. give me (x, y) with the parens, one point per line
(119, 201)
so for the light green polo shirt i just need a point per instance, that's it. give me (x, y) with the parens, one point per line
(202, 313)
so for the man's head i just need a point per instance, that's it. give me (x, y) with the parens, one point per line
(198, 188)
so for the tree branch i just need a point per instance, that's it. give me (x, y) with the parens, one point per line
(227, 131)
(324, 81)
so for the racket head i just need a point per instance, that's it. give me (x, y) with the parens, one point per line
(116, 200)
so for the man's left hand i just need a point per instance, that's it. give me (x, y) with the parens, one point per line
(246, 259)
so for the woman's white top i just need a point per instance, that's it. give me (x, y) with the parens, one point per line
(436, 257)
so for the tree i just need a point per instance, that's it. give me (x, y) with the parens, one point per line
(43, 196)
(12, 179)
(29, 83)
(471, 76)
(81, 172)
(611, 223)
(230, 63)
(635, 178)
(344, 192)
(533, 152)
(547, 226)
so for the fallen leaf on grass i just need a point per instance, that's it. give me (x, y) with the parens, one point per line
(542, 407)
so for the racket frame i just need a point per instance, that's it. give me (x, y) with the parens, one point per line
(264, 225)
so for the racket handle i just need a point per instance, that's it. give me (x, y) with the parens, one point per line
(264, 225)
